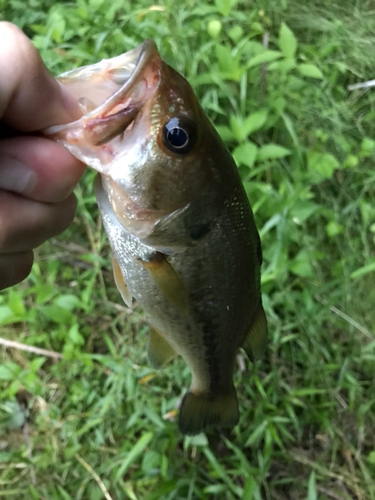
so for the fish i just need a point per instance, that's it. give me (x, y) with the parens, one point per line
(180, 226)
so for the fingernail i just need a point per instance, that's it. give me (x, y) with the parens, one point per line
(15, 176)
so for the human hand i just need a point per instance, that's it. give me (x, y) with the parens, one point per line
(37, 175)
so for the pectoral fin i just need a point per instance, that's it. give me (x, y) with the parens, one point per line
(168, 281)
(159, 352)
(256, 342)
(120, 283)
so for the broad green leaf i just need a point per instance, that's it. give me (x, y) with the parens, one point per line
(225, 6)
(367, 146)
(75, 336)
(257, 27)
(351, 161)
(264, 57)
(224, 57)
(303, 209)
(236, 33)
(225, 133)
(5, 456)
(151, 460)
(57, 314)
(310, 70)
(278, 104)
(255, 121)
(333, 228)
(16, 304)
(272, 152)
(237, 128)
(301, 265)
(245, 154)
(321, 165)
(36, 364)
(284, 65)
(371, 457)
(68, 301)
(44, 292)
(287, 41)
(9, 371)
(6, 315)
(13, 417)
(227, 62)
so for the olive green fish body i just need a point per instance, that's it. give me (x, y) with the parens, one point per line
(178, 220)
(221, 277)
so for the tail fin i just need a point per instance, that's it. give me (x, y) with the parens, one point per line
(199, 411)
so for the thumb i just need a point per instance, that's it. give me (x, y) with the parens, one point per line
(30, 97)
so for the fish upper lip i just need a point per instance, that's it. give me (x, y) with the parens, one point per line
(141, 57)
(144, 54)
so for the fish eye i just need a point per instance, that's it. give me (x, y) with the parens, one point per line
(179, 135)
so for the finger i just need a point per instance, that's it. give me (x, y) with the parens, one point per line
(30, 98)
(38, 168)
(26, 224)
(15, 267)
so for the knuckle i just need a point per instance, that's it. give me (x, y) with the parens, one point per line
(16, 42)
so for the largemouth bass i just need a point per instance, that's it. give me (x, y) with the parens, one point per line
(181, 229)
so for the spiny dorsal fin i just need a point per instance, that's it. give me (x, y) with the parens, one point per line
(256, 342)
(159, 352)
(167, 280)
(120, 283)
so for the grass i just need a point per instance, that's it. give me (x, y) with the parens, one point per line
(100, 421)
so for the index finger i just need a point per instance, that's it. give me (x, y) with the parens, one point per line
(30, 97)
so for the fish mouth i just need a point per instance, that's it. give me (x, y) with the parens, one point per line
(110, 94)
(126, 71)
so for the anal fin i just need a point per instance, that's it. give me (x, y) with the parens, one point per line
(167, 280)
(120, 283)
(199, 411)
(159, 352)
(256, 342)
